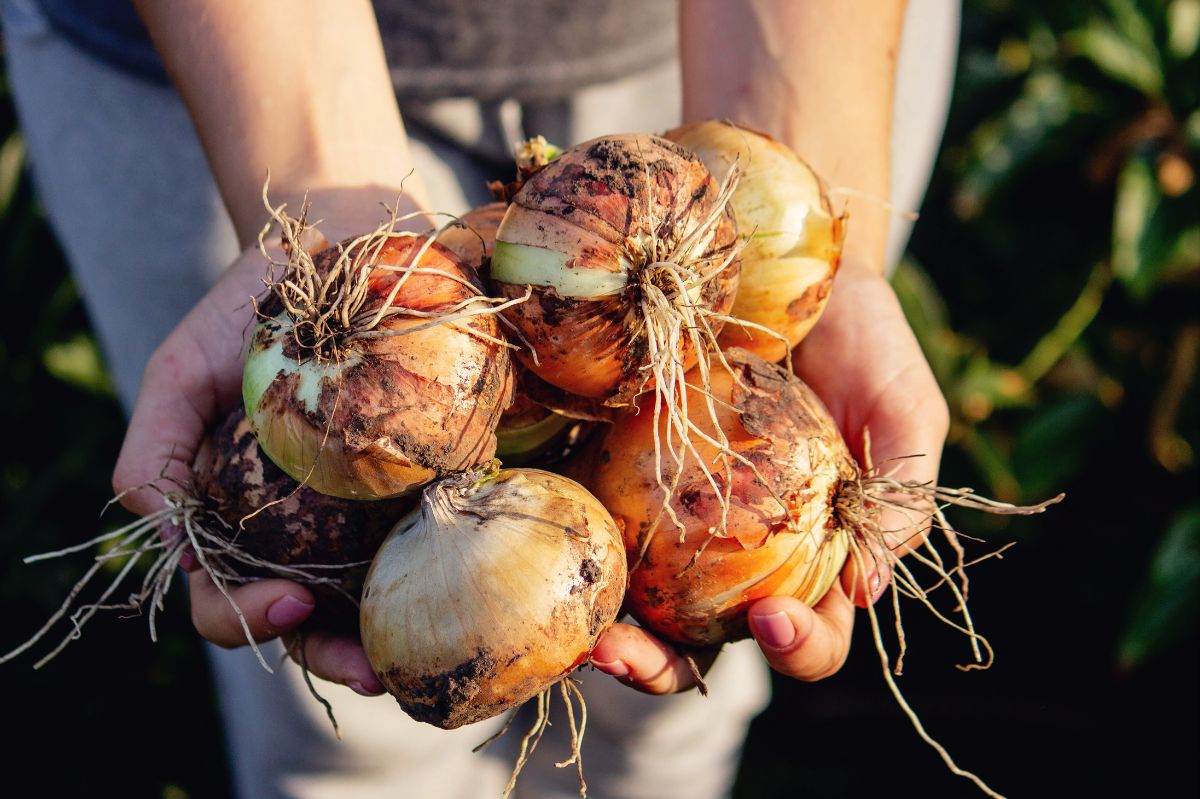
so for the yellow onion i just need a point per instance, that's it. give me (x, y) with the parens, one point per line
(697, 567)
(629, 250)
(371, 387)
(473, 237)
(794, 238)
(497, 587)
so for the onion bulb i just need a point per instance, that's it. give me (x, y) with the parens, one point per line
(472, 237)
(497, 587)
(270, 521)
(794, 238)
(629, 250)
(382, 369)
(697, 564)
(242, 519)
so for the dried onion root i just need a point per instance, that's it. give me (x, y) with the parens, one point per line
(242, 519)
(798, 507)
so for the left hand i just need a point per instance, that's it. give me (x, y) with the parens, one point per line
(863, 360)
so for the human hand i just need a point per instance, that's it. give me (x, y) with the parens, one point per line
(192, 381)
(864, 362)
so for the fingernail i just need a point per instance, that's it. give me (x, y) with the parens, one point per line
(187, 559)
(613, 668)
(288, 611)
(878, 582)
(375, 689)
(775, 630)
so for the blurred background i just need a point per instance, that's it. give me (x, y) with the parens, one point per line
(1054, 283)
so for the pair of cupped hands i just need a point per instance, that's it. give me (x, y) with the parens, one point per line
(861, 359)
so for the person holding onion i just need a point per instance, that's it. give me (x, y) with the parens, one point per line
(309, 91)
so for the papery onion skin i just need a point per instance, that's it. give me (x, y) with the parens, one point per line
(778, 425)
(794, 241)
(580, 233)
(271, 517)
(474, 237)
(389, 414)
(495, 589)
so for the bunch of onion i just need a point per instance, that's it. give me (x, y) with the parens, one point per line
(627, 248)
(780, 517)
(491, 593)
(241, 518)
(378, 364)
(793, 236)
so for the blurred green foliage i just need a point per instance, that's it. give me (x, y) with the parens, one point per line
(1054, 284)
(1069, 179)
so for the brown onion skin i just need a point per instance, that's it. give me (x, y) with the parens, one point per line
(598, 196)
(474, 237)
(781, 425)
(506, 653)
(407, 408)
(273, 518)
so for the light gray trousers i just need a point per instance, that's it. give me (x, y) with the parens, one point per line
(128, 192)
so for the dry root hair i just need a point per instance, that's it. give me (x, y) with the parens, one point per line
(576, 723)
(184, 525)
(670, 287)
(330, 308)
(923, 506)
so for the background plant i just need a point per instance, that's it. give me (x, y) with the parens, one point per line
(1054, 282)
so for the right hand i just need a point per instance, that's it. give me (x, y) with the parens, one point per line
(191, 383)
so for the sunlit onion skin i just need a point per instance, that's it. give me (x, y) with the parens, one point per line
(777, 424)
(583, 232)
(794, 241)
(493, 590)
(269, 516)
(474, 237)
(386, 415)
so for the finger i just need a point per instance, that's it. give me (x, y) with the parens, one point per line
(193, 375)
(802, 642)
(866, 574)
(268, 607)
(642, 661)
(168, 422)
(337, 658)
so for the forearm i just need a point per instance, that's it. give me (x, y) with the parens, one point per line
(297, 87)
(817, 75)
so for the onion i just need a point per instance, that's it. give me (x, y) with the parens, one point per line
(628, 248)
(780, 531)
(794, 237)
(383, 370)
(472, 237)
(271, 521)
(243, 519)
(493, 591)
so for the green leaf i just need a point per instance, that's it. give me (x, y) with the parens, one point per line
(1116, 55)
(1166, 605)
(1183, 28)
(77, 361)
(1002, 144)
(12, 160)
(1138, 247)
(1048, 450)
